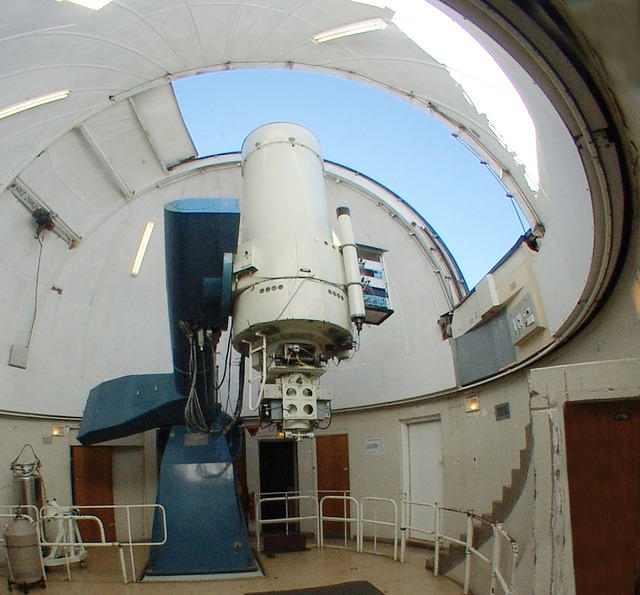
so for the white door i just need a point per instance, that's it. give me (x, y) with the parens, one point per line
(424, 473)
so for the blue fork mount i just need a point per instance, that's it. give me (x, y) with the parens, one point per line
(130, 404)
(201, 236)
(197, 487)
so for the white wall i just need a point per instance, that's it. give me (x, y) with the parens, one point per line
(106, 323)
(53, 452)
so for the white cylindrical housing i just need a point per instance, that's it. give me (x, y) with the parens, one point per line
(351, 266)
(289, 274)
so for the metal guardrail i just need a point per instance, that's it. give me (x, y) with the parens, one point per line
(499, 578)
(345, 519)
(286, 498)
(318, 517)
(498, 535)
(289, 498)
(377, 523)
(71, 514)
(9, 511)
(406, 508)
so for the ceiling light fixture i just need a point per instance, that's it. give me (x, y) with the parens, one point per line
(92, 4)
(352, 29)
(16, 108)
(142, 248)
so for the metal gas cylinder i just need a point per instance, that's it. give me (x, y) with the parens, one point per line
(28, 487)
(23, 552)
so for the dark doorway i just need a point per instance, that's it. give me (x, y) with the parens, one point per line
(332, 455)
(603, 460)
(278, 464)
(92, 485)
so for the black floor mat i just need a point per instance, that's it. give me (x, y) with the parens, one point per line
(350, 588)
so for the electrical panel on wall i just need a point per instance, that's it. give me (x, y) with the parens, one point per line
(374, 284)
(524, 320)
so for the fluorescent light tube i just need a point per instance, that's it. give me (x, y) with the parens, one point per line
(92, 4)
(16, 108)
(352, 29)
(142, 248)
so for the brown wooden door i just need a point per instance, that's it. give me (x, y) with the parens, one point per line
(332, 455)
(603, 459)
(92, 480)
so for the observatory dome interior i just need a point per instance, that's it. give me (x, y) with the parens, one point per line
(550, 330)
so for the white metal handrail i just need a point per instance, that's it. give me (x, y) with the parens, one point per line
(342, 494)
(73, 513)
(13, 510)
(287, 519)
(376, 523)
(345, 519)
(406, 528)
(498, 533)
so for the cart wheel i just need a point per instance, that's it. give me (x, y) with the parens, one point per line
(43, 584)
(9, 585)
(83, 564)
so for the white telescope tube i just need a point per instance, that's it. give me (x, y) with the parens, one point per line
(290, 271)
(351, 267)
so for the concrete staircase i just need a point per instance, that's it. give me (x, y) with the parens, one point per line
(453, 555)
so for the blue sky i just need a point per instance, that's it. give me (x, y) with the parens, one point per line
(376, 133)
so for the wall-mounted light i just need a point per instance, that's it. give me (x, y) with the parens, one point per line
(352, 29)
(471, 404)
(59, 430)
(16, 108)
(142, 248)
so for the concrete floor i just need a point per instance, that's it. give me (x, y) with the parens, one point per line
(310, 568)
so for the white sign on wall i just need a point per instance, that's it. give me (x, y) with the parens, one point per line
(374, 446)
